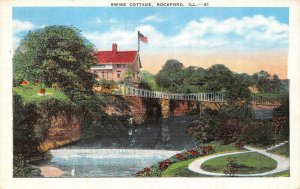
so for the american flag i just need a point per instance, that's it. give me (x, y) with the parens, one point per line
(143, 38)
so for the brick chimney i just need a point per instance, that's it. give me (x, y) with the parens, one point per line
(114, 48)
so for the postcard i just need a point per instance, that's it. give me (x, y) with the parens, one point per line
(153, 94)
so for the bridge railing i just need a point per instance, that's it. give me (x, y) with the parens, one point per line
(132, 91)
(204, 97)
(260, 100)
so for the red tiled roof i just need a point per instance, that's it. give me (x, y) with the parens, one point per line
(116, 57)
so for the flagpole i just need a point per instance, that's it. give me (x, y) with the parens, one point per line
(138, 41)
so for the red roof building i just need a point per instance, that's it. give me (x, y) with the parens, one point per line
(116, 65)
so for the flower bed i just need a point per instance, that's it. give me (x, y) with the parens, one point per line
(156, 169)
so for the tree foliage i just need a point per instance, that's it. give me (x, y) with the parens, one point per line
(267, 83)
(175, 78)
(147, 81)
(281, 119)
(56, 54)
(25, 143)
(171, 76)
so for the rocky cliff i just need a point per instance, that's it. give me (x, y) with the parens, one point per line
(63, 130)
(141, 111)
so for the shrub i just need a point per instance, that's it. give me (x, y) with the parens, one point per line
(229, 131)
(258, 132)
(231, 166)
(20, 168)
(204, 128)
(281, 119)
(157, 169)
(239, 144)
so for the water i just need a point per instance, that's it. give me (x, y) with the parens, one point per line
(105, 162)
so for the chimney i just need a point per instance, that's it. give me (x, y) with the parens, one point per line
(114, 48)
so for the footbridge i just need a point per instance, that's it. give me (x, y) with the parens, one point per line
(206, 97)
(201, 97)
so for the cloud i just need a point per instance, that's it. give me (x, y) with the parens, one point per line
(153, 18)
(113, 21)
(16, 42)
(21, 26)
(104, 40)
(205, 34)
(99, 20)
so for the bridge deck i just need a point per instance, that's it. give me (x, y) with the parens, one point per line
(203, 97)
(132, 91)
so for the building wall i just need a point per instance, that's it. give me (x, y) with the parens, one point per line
(117, 73)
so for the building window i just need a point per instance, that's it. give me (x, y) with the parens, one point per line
(133, 75)
(102, 75)
(118, 74)
(119, 65)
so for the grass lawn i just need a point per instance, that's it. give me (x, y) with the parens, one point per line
(283, 150)
(30, 92)
(270, 95)
(280, 174)
(180, 169)
(251, 162)
(220, 148)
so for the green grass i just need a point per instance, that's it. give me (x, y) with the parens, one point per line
(251, 162)
(280, 174)
(180, 169)
(30, 92)
(283, 150)
(270, 95)
(220, 148)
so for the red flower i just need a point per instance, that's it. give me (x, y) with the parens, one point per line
(193, 152)
(162, 165)
(147, 169)
(24, 82)
(206, 149)
(167, 161)
(179, 156)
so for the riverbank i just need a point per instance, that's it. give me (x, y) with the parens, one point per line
(49, 171)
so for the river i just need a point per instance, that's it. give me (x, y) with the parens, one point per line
(105, 162)
(123, 156)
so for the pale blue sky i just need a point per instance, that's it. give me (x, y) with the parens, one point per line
(244, 39)
(186, 28)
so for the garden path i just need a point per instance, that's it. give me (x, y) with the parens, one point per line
(283, 163)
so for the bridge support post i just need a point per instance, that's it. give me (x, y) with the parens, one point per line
(200, 109)
(165, 107)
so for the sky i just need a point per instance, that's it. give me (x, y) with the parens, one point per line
(244, 39)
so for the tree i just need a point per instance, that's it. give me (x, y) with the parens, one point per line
(148, 81)
(281, 119)
(171, 76)
(193, 80)
(59, 54)
(262, 81)
(276, 84)
(56, 54)
(217, 78)
(237, 91)
(25, 143)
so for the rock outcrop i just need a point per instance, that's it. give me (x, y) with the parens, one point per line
(63, 130)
